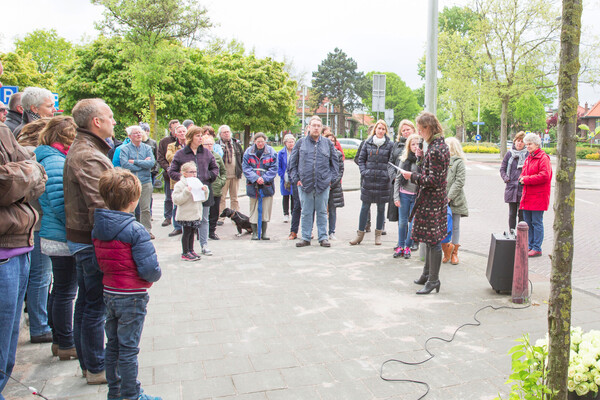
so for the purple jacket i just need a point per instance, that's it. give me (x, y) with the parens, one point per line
(513, 190)
(207, 167)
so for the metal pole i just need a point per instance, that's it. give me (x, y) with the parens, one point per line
(327, 114)
(303, 99)
(431, 60)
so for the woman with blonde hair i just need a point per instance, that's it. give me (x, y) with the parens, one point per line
(431, 204)
(456, 197)
(405, 129)
(405, 193)
(375, 181)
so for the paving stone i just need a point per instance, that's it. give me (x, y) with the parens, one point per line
(259, 381)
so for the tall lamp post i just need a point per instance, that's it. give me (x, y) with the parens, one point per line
(303, 107)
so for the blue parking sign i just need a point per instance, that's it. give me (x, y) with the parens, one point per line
(55, 100)
(6, 92)
(478, 137)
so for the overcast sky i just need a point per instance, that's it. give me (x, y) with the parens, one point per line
(381, 35)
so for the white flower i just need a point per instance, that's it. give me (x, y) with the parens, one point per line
(582, 389)
(571, 385)
(578, 377)
(593, 387)
(597, 380)
(571, 372)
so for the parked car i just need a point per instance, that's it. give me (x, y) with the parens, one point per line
(349, 143)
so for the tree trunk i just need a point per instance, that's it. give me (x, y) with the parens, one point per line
(559, 306)
(341, 123)
(246, 138)
(503, 125)
(153, 117)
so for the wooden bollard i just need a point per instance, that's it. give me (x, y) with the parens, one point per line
(520, 284)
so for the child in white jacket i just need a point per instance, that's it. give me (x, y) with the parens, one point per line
(189, 212)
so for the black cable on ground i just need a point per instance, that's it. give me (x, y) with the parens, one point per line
(33, 390)
(431, 355)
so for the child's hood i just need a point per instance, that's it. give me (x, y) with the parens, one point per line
(108, 224)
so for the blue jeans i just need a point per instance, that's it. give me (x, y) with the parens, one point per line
(407, 201)
(88, 326)
(332, 218)
(168, 207)
(203, 230)
(40, 275)
(64, 290)
(124, 323)
(14, 274)
(176, 224)
(314, 202)
(364, 213)
(535, 220)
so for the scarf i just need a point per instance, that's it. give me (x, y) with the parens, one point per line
(227, 152)
(520, 154)
(32, 116)
(60, 147)
(378, 142)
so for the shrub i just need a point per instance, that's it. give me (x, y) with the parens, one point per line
(350, 154)
(481, 149)
(593, 156)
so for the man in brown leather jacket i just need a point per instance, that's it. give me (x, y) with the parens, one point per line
(84, 164)
(21, 180)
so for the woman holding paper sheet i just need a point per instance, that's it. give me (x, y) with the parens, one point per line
(429, 211)
(207, 172)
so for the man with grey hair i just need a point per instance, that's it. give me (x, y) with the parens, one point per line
(85, 163)
(37, 103)
(139, 159)
(313, 166)
(15, 111)
(3, 112)
(232, 158)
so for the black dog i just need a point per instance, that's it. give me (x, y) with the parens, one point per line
(241, 221)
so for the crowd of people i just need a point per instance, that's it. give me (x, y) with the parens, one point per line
(76, 212)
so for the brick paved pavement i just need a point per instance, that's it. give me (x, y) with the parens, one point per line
(270, 321)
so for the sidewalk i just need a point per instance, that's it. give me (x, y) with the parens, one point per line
(266, 320)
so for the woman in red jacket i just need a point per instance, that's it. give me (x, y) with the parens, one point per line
(535, 178)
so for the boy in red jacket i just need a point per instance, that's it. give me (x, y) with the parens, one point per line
(128, 260)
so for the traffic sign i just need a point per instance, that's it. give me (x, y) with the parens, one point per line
(6, 92)
(479, 123)
(378, 93)
(55, 100)
(389, 116)
(478, 137)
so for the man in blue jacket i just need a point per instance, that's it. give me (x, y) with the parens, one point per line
(139, 159)
(313, 166)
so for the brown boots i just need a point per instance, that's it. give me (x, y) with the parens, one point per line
(447, 248)
(378, 237)
(454, 258)
(359, 238)
(450, 253)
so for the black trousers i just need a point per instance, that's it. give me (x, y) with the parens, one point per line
(513, 210)
(285, 202)
(213, 215)
(187, 239)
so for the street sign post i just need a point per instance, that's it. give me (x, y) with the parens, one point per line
(55, 101)
(378, 93)
(6, 92)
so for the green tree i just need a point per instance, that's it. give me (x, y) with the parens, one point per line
(252, 94)
(559, 305)
(517, 37)
(152, 29)
(49, 50)
(398, 97)
(102, 69)
(337, 78)
(21, 70)
(528, 113)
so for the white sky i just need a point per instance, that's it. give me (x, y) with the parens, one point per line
(381, 35)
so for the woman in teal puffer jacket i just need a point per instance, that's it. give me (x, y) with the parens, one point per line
(55, 140)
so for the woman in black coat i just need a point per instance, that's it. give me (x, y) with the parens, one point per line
(375, 183)
(336, 194)
(510, 170)
(429, 211)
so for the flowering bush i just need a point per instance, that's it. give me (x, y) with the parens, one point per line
(584, 361)
(530, 366)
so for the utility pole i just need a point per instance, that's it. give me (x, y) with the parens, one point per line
(431, 61)
(303, 107)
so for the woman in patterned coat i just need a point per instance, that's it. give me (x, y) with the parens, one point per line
(429, 211)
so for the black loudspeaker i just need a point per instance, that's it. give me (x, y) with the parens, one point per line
(501, 261)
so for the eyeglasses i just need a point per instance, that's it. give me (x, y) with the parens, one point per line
(3, 109)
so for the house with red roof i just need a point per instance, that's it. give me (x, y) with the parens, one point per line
(591, 118)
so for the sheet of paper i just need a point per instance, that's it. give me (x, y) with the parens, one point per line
(398, 168)
(197, 193)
